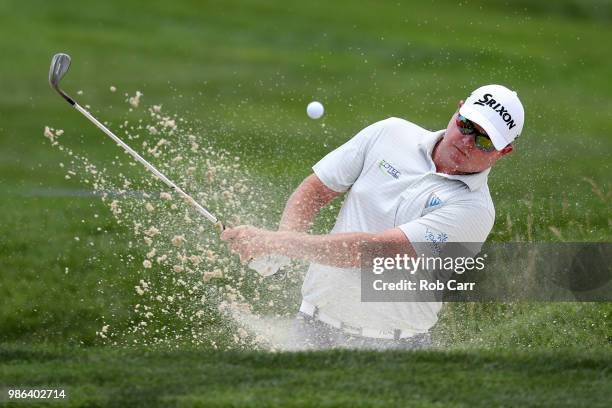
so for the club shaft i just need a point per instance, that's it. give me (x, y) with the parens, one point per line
(149, 166)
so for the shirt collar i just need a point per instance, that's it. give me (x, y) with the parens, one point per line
(474, 181)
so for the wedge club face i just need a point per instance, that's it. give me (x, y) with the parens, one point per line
(59, 66)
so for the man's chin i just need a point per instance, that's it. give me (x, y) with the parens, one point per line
(458, 163)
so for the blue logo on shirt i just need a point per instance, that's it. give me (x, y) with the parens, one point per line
(435, 240)
(386, 167)
(433, 201)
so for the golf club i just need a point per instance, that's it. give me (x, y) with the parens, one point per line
(60, 63)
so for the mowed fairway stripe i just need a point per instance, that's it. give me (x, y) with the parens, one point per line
(67, 192)
(131, 377)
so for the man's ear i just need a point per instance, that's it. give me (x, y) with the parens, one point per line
(506, 150)
(460, 104)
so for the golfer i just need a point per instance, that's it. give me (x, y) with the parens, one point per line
(404, 186)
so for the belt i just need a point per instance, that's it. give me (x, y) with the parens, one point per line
(392, 334)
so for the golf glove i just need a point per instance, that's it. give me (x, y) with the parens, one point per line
(269, 265)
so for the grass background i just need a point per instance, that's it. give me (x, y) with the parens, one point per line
(242, 73)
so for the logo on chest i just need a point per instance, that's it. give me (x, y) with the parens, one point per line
(433, 201)
(387, 168)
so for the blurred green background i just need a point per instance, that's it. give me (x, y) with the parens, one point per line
(242, 73)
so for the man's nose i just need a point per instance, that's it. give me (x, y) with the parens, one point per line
(468, 141)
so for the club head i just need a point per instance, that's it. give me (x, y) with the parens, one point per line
(59, 66)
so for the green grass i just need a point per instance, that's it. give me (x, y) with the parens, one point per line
(129, 377)
(241, 74)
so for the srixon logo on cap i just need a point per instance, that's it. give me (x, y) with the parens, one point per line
(487, 100)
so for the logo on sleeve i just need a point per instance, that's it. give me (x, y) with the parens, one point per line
(435, 240)
(387, 168)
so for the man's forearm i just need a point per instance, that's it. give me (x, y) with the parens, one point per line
(341, 250)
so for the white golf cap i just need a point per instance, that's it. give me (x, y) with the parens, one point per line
(498, 111)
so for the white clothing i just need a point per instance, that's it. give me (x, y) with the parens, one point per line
(392, 181)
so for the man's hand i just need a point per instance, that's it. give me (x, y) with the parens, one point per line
(248, 242)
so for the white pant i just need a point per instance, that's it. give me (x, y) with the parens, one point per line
(312, 334)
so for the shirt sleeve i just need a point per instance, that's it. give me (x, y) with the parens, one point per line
(461, 222)
(340, 168)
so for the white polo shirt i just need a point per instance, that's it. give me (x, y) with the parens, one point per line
(392, 181)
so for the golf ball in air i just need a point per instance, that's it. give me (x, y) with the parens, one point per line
(315, 110)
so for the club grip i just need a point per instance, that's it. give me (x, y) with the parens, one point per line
(268, 265)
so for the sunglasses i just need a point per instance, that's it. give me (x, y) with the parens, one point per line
(481, 140)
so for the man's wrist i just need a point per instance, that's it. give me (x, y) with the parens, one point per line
(279, 242)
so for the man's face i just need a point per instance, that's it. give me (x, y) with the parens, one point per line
(458, 152)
